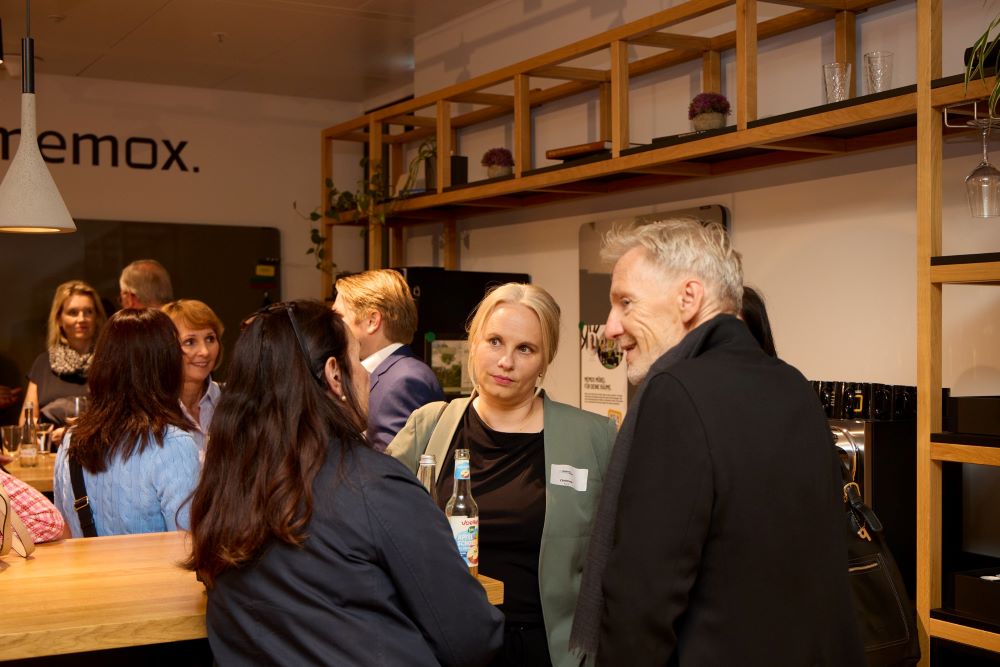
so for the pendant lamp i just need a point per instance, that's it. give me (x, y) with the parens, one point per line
(29, 199)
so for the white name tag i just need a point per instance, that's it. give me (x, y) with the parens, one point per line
(563, 475)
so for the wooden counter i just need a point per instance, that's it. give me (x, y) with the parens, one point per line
(39, 476)
(108, 592)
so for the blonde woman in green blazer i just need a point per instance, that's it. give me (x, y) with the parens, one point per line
(537, 470)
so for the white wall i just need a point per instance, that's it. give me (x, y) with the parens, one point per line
(831, 243)
(255, 154)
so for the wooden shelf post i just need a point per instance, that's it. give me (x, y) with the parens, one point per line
(522, 124)
(619, 97)
(746, 62)
(845, 45)
(929, 142)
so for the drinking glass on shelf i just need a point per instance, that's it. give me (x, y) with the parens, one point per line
(838, 81)
(878, 71)
(11, 438)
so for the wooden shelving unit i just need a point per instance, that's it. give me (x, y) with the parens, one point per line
(862, 123)
(934, 448)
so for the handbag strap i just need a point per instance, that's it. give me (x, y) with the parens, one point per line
(81, 502)
(859, 515)
(15, 535)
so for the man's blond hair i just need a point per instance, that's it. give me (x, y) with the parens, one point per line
(386, 291)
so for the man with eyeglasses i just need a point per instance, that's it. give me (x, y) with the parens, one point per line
(378, 308)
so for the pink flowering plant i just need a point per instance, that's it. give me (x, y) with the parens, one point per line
(707, 103)
(497, 157)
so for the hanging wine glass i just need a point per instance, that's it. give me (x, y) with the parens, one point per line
(983, 184)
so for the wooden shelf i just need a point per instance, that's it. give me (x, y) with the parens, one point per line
(966, 448)
(934, 448)
(979, 269)
(962, 632)
(859, 124)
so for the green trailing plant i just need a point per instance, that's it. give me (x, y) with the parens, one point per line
(983, 58)
(369, 199)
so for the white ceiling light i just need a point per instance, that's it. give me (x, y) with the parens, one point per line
(29, 199)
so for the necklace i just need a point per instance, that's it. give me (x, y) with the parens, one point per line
(518, 427)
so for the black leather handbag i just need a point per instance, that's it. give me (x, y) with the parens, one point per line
(886, 616)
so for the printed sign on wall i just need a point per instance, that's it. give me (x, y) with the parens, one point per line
(604, 380)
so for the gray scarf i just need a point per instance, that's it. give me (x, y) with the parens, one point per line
(64, 360)
(586, 630)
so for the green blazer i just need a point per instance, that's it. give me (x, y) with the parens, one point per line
(573, 438)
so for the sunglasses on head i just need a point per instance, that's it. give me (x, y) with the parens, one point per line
(288, 308)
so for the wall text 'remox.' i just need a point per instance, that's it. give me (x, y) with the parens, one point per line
(90, 149)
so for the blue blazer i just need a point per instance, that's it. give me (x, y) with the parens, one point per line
(399, 385)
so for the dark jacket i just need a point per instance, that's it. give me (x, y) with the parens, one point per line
(378, 581)
(399, 385)
(729, 544)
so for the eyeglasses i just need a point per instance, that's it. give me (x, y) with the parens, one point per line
(288, 308)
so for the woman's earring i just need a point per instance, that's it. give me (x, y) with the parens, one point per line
(343, 397)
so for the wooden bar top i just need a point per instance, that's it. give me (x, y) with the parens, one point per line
(39, 476)
(108, 592)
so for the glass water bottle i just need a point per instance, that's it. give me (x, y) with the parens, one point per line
(463, 513)
(427, 474)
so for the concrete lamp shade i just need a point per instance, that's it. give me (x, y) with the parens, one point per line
(29, 199)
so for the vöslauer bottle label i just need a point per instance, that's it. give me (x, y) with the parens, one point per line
(466, 532)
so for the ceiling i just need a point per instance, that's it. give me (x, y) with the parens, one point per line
(350, 50)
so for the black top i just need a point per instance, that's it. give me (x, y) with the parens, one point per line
(53, 387)
(378, 582)
(508, 485)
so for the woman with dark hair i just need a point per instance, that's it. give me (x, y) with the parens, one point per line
(315, 548)
(139, 463)
(754, 314)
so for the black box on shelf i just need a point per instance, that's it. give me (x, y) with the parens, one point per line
(459, 171)
(972, 414)
(978, 596)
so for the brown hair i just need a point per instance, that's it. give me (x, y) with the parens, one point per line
(196, 315)
(135, 382)
(270, 434)
(64, 292)
(386, 291)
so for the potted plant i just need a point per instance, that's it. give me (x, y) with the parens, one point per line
(370, 199)
(982, 60)
(459, 166)
(708, 111)
(498, 162)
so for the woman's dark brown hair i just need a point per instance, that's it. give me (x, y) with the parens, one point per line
(754, 313)
(134, 381)
(270, 434)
